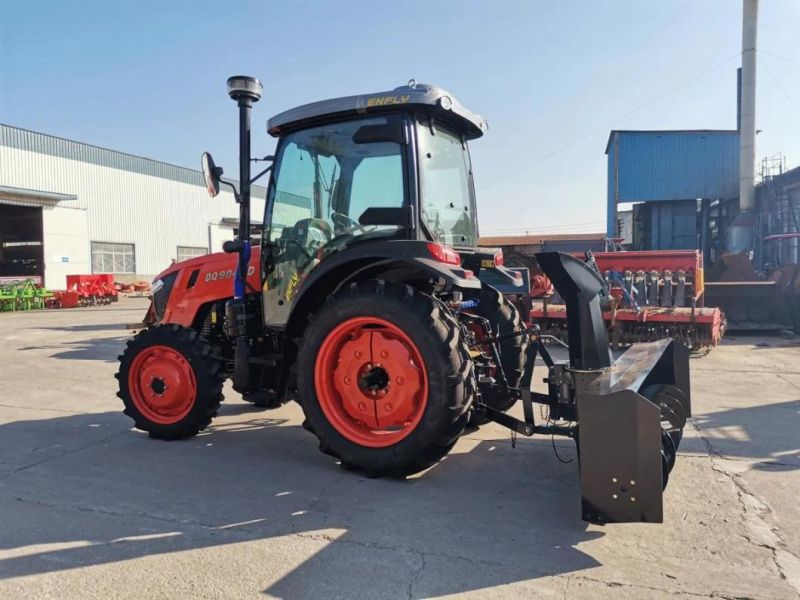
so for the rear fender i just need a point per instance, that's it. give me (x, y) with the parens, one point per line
(401, 260)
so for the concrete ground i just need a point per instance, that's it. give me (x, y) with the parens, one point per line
(90, 508)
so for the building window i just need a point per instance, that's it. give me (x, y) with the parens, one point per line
(187, 252)
(113, 258)
(256, 233)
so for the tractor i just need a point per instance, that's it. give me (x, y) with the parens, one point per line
(365, 300)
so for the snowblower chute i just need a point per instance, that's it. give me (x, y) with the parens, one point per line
(626, 416)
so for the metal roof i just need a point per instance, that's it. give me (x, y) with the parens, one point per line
(429, 97)
(35, 194)
(42, 143)
(667, 131)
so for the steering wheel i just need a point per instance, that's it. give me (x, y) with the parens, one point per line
(345, 222)
(297, 244)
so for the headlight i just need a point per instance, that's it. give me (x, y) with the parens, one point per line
(160, 291)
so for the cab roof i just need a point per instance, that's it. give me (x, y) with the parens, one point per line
(428, 98)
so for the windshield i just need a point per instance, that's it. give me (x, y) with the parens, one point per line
(447, 206)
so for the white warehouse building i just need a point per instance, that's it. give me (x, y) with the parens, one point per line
(71, 208)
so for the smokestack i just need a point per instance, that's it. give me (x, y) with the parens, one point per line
(747, 133)
(741, 231)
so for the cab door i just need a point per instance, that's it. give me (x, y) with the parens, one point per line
(325, 178)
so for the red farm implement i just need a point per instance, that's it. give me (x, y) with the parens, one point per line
(85, 290)
(654, 295)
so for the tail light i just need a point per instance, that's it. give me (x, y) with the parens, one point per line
(497, 260)
(444, 253)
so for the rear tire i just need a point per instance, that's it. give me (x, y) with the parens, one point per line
(505, 318)
(385, 379)
(170, 381)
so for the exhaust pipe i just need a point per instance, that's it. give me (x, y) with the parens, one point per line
(630, 413)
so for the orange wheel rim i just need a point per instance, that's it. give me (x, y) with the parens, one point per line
(371, 382)
(162, 384)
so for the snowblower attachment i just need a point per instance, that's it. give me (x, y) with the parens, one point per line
(630, 414)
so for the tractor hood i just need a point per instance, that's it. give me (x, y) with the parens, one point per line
(428, 98)
(211, 267)
(181, 289)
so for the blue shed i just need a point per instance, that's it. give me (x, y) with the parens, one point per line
(670, 165)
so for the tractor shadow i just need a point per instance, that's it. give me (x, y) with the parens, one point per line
(100, 349)
(487, 515)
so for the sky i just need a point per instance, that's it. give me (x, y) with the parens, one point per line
(551, 78)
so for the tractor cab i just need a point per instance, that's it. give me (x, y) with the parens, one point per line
(386, 167)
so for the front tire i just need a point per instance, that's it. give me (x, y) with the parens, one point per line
(170, 381)
(385, 379)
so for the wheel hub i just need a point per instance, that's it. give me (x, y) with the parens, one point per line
(162, 384)
(158, 386)
(374, 380)
(371, 382)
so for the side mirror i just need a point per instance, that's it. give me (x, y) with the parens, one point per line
(211, 173)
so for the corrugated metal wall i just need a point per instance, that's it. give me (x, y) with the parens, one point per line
(128, 199)
(671, 165)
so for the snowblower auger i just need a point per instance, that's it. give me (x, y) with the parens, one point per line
(626, 416)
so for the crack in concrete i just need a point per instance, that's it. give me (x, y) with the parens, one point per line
(416, 575)
(522, 571)
(759, 531)
(791, 383)
(244, 534)
(753, 462)
(115, 513)
(670, 592)
(758, 371)
(34, 408)
(325, 537)
(59, 456)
